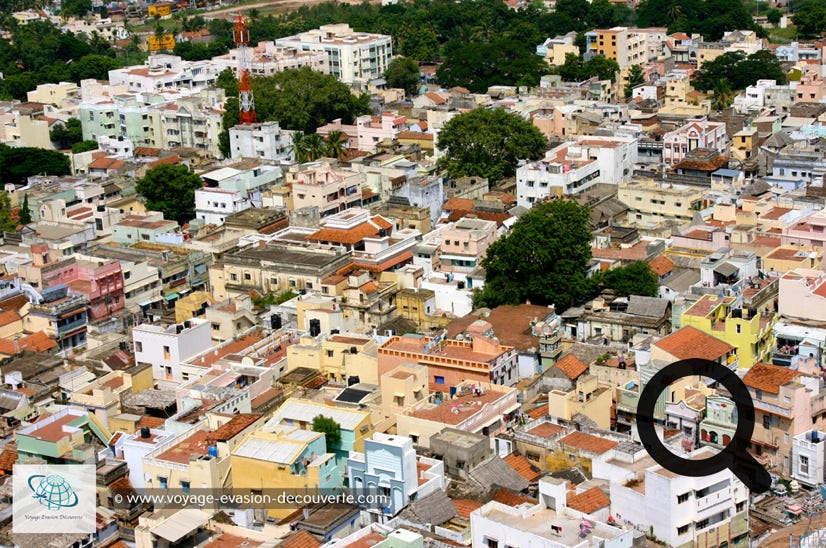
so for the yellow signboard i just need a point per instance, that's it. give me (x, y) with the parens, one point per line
(164, 41)
(159, 9)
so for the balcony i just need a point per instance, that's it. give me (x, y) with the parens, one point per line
(772, 408)
(71, 326)
(627, 400)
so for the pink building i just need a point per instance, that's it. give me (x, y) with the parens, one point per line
(368, 131)
(102, 284)
(48, 268)
(704, 238)
(465, 243)
(811, 88)
(808, 231)
(803, 294)
(319, 184)
(697, 133)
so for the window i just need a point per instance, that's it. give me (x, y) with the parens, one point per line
(330, 353)
(702, 524)
(233, 277)
(185, 486)
(138, 346)
(167, 354)
(739, 327)
(682, 498)
(682, 530)
(460, 464)
(804, 464)
(162, 481)
(491, 543)
(247, 276)
(740, 506)
(439, 379)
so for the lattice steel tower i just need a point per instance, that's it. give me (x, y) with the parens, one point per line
(246, 103)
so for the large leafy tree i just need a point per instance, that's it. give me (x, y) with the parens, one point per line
(478, 66)
(636, 77)
(330, 428)
(403, 73)
(544, 259)
(8, 220)
(66, 135)
(575, 69)
(636, 278)
(810, 19)
(488, 143)
(170, 189)
(18, 164)
(739, 70)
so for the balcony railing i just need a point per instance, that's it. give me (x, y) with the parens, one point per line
(772, 408)
(628, 401)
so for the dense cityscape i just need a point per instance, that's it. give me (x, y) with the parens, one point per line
(396, 274)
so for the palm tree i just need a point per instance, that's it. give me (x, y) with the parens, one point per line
(337, 144)
(723, 95)
(315, 146)
(299, 147)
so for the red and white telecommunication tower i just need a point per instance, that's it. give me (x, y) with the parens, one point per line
(246, 103)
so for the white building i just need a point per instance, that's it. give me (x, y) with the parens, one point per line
(164, 71)
(390, 464)
(807, 458)
(678, 510)
(697, 133)
(354, 57)
(133, 448)
(266, 59)
(213, 205)
(766, 93)
(574, 167)
(165, 348)
(547, 524)
(266, 141)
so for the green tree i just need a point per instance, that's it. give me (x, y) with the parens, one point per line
(8, 221)
(723, 95)
(18, 164)
(488, 143)
(810, 19)
(740, 70)
(336, 145)
(544, 259)
(170, 189)
(478, 66)
(419, 44)
(84, 146)
(315, 146)
(403, 73)
(636, 77)
(66, 135)
(228, 82)
(774, 15)
(299, 147)
(76, 8)
(636, 278)
(25, 215)
(330, 428)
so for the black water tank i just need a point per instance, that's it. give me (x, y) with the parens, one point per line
(145, 433)
(275, 321)
(334, 332)
(353, 380)
(315, 328)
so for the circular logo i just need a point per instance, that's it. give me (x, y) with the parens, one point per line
(53, 492)
(734, 456)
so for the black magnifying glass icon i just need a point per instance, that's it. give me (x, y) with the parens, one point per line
(734, 456)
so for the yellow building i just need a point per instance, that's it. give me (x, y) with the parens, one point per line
(162, 42)
(192, 305)
(748, 331)
(161, 9)
(789, 257)
(588, 398)
(744, 144)
(650, 202)
(284, 458)
(338, 357)
(419, 306)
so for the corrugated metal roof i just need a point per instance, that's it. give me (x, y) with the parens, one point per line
(280, 451)
(181, 524)
(305, 411)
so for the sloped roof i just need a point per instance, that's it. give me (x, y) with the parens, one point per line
(524, 468)
(435, 509)
(661, 265)
(648, 307)
(769, 378)
(465, 506)
(588, 501)
(690, 342)
(301, 539)
(571, 366)
(587, 442)
(495, 471)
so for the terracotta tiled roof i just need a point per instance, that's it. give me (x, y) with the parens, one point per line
(458, 203)
(122, 486)
(662, 265)
(436, 98)
(571, 366)
(107, 163)
(538, 412)
(498, 218)
(350, 235)
(301, 539)
(588, 501)
(512, 498)
(415, 135)
(8, 457)
(546, 429)
(231, 541)
(690, 342)
(234, 426)
(511, 324)
(146, 151)
(587, 442)
(171, 159)
(768, 378)
(8, 316)
(522, 466)
(36, 342)
(465, 506)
